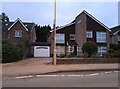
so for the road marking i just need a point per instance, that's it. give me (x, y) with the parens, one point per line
(92, 74)
(46, 75)
(22, 77)
(108, 72)
(58, 75)
(116, 71)
(75, 75)
(101, 73)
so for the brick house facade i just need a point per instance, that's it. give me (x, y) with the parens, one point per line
(72, 36)
(18, 32)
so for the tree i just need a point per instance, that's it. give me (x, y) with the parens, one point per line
(90, 48)
(5, 18)
(41, 33)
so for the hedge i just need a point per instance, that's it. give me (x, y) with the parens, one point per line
(11, 53)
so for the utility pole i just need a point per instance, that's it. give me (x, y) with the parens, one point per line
(54, 56)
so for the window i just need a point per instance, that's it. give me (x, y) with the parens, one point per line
(101, 37)
(79, 49)
(18, 33)
(72, 36)
(60, 38)
(89, 34)
(70, 48)
(118, 37)
(102, 49)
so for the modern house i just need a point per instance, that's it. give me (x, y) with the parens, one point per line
(71, 37)
(18, 32)
(115, 35)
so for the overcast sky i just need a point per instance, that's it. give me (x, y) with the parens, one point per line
(42, 12)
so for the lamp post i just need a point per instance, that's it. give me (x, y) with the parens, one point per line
(54, 55)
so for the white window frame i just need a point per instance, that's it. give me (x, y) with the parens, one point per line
(70, 47)
(60, 38)
(100, 38)
(72, 36)
(18, 33)
(101, 51)
(89, 34)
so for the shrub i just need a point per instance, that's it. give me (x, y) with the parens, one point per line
(10, 53)
(61, 55)
(71, 55)
(89, 48)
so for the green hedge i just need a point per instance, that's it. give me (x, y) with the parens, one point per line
(11, 53)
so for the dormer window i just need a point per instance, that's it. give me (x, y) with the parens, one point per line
(72, 36)
(18, 33)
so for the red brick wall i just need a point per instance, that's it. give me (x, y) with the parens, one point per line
(18, 26)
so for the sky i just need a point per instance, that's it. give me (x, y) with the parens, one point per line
(42, 13)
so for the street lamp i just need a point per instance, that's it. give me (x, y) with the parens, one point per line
(54, 56)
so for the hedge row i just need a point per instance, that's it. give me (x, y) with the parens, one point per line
(11, 53)
(87, 60)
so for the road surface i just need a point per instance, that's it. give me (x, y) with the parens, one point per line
(84, 79)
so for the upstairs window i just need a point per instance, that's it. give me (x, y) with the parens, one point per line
(89, 34)
(18, 33)
(101, 37)
(72, 36)
(60, 38)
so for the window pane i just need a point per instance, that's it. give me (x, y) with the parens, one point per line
(101, 37)
(60, 38)
(89, 34)
(18, 33)
(72, 36)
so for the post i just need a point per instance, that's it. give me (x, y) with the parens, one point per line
(54, 56)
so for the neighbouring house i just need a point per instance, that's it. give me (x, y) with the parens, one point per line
(71, 37)
(17, 32)
(115, 35)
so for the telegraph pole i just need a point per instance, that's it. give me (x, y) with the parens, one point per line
(54, 56)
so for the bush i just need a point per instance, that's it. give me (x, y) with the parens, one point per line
(61, 55)
(10, 53)
(71, 55)
(116, 48)
(89, 48)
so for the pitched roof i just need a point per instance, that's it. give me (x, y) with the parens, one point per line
(16, 22)
(85, 12)
(64, 26)
(115, 30)
(7, 25)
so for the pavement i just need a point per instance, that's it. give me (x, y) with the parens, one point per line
(35, 66)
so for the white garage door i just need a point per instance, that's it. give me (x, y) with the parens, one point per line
(41, 51)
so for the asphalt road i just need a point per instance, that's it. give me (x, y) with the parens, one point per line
(84, 79)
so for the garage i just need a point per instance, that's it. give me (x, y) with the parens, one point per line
(41, 49)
